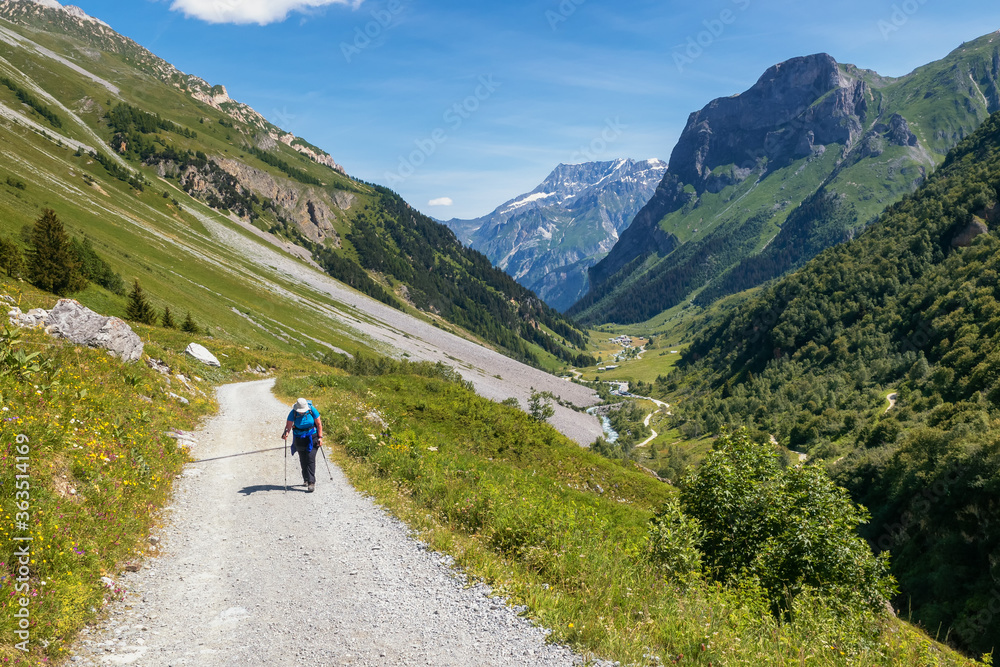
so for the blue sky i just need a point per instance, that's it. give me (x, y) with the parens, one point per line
(476, 102)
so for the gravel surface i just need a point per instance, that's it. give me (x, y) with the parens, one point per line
(250, 575)
(495, 376)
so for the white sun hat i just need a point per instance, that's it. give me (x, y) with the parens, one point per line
(301, 405)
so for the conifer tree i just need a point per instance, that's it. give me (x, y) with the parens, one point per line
(52, 264)
(138, 308)
(189, 326)
(11, 259)
(167, 321)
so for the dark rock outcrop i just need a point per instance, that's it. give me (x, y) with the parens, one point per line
(793, 111)
(795, 105)
(965, 237)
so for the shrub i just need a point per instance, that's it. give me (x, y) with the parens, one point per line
(11, 259)
(189, 325)
(96, 269)
(540, 405)
(138, 308)
(167, 320)
(673, 542)
(788, 528)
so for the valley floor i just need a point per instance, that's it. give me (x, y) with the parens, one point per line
(251, 575)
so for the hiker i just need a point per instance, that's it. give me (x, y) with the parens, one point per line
(307, 438)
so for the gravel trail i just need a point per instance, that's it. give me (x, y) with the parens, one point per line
(250, 575)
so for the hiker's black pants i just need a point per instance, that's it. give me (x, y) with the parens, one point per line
(307, 459)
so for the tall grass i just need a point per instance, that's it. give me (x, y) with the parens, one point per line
(565, 532)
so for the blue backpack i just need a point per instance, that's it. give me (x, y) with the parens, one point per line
(304, 425)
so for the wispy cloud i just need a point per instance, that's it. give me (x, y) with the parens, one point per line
(441, 201)
(250, 11)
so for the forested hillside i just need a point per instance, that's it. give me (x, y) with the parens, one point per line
(443, 276)
(881, 357)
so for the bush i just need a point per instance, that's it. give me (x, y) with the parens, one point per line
(167, 319)
(138, 308)
(189, 326)
(94, 268)
(673, 542)
(540, 405)
(11, 259)
(788, 528)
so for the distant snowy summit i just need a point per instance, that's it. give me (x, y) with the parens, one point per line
(548, 238)
(569, 183)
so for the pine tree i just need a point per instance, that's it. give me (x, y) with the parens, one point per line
(11, 259)
(52, 264)
(167, 321)
(189, 326)
(138, 308)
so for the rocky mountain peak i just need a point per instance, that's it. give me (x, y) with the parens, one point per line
(567, 182)
(547, 238)
(795, 105)
(71, 10)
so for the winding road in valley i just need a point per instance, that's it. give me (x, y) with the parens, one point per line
(659, 405)
(249, 574)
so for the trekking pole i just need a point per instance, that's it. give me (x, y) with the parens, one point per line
(327, 463)
(285, 447)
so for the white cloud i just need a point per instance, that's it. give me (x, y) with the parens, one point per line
(250, 11)
(441, 201)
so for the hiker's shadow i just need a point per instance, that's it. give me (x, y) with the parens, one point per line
(256, 488)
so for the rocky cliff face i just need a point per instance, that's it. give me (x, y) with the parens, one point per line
(229, 183)
(312, 209)
(546, 239)
(792, 108)
(843, 139)
(796, 108)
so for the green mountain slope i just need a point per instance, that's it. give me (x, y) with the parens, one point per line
(760, 182)
(113, 126)
(909, 312)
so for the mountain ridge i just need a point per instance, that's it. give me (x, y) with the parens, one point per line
(102, 35)
(822, 145)
(547, 238)
(908, 312)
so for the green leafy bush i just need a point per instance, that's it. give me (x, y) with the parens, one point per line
(673, 542)
(790, 529)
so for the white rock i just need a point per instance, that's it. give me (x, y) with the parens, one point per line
(179, 398)
(201, 354)
(69, 319)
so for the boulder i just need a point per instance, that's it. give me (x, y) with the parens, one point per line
(33, 318)
(201, 354)
(158, 366)
(79, 324)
